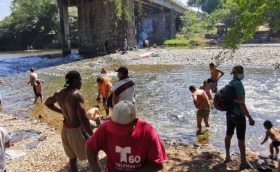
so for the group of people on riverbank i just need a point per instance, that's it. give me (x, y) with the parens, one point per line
(236, 117)
(131, 143)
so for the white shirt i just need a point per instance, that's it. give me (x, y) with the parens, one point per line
(127, 94)
(4, 138)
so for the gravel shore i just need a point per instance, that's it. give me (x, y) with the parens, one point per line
(264, 55)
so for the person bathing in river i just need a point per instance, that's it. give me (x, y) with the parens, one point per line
(207, 86)
(32, 80)
(93, 115)
(201, 102)
(215, 77)
(274, 134)
(39, 90)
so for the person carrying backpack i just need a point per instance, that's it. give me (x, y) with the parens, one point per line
(236, 118)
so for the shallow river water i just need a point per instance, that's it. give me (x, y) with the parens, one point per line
(162, 94)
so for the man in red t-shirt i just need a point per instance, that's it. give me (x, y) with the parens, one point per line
(130, 144)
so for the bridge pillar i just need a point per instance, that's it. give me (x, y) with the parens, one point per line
(98, 22)
(156, 27)
(64, 28)
(171, 21)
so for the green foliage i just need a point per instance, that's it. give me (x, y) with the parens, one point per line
(251, 15)
(206, 5)
(181, 42)
(123, 9)
(190, 22)
(32, 22)
(226, 14)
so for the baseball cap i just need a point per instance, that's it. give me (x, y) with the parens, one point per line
(123, 114)
(123, 70)
(237, 68)
(70, 76)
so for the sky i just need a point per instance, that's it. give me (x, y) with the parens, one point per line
(5, 8)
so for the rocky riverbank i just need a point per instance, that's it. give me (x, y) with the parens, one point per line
(264, 55)
(49, 155)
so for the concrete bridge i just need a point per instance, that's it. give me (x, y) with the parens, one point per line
(97, 22)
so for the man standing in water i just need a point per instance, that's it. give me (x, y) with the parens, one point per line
(215, 76)
(32, 80)
(201, 102)
(124, 88)
(71, 105)
(236, 118)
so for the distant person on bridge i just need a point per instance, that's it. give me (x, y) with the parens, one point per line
(76, 127)
(215, 77)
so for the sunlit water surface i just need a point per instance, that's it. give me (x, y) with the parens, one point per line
(163, 97)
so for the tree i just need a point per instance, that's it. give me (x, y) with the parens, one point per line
(226, 14)
(30, 23)
(190, 22)
(206, 5)
(251, 15)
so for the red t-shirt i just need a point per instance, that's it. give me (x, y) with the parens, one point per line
(130, 152)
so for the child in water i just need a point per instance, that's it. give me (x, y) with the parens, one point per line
(39, 90)
(274, 135)
(207, 86)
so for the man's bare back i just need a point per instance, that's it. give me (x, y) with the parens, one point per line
(201, 100)
(93, 114)
(274, 134)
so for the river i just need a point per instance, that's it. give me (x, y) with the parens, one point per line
(162, 94)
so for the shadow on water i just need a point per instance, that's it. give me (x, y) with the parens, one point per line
(162, 94)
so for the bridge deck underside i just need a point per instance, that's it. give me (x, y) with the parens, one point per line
(148, 6)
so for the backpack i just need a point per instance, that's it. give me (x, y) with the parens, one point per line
(224, 99)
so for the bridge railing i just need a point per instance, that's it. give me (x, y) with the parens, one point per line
(179, 3)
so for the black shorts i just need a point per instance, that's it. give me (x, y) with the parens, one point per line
(38, 94)
(275, 143)
(238, 122)
(109, 101)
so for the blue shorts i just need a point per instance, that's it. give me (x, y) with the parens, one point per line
(214, 86)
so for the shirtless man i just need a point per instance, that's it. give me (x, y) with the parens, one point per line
(32, 80)
(274, 135)
(201, 102)
(71, 105)
(93, 115)
(215, 76)
(103, 71)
